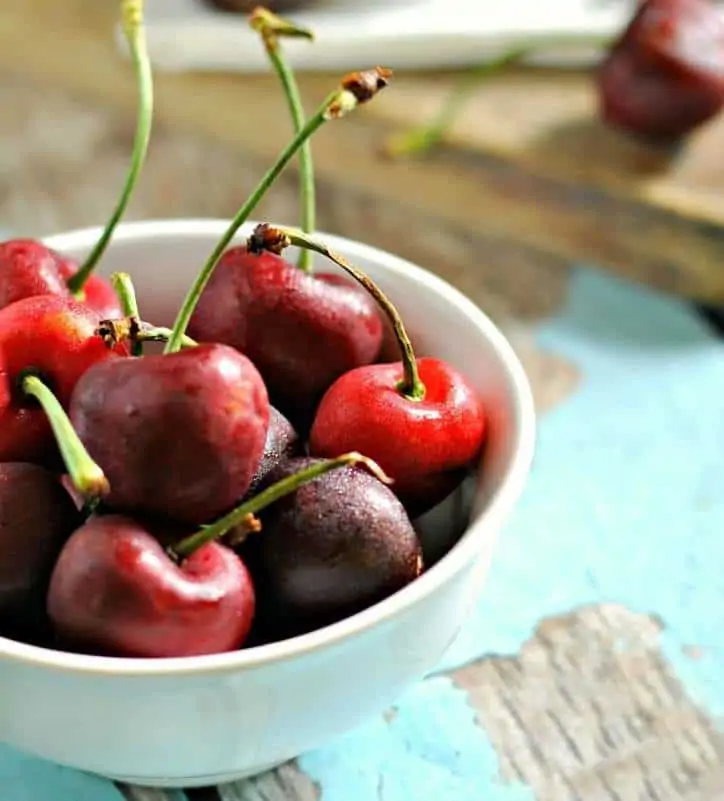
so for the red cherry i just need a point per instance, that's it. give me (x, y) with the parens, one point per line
(665, 75)
(116, 591)
(302, 331)
(97, 292)
(425, 445)
(28, 268)
(178, 435)
(54, 338)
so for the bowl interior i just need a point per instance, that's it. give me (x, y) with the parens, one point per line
(164, 257)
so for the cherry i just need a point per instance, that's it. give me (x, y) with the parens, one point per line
(116, 590)
(53, 338)
(420, 419)
(332, 548)
(178, 435)
(29, 268)
(301, 331)
(664, 76)
(37, 516)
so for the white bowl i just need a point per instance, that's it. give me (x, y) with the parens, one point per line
(205, 720)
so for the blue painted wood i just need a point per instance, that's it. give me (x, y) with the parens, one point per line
(625, 504)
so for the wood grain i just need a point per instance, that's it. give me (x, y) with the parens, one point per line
(589, 711)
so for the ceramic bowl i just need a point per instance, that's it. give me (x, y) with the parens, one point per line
(205, 720)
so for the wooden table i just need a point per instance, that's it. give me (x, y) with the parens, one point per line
(592, 668)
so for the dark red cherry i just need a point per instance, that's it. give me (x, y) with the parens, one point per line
(302, 331)
(665, 75)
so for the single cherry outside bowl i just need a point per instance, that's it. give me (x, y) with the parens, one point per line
(212, 719)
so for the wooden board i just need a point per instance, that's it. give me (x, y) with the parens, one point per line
(536, 180)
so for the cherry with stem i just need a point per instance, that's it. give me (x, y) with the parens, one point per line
(356, 88)
(86, 476)
(134, 30)
(240, 516)
(276, 239)
(271, 28)
(420, 419)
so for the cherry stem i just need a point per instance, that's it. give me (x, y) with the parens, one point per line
(133, 28)
(423, 138)
(123, 286)
(356, 88)
(271, 28)
(275, 492)
(265, 237)
(158, 333)
(86, 475)
(131, 329)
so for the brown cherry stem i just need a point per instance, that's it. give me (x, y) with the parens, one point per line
(356, 88)
(287, 485)
(133, 330)
(275, 240)
(271, 28)
(124, 289)
(86, 475)
(423, 138)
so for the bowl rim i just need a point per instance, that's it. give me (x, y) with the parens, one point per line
(445, 570)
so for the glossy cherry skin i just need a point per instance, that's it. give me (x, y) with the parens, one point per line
(54, 338)
(28, 268)
(301, 331)
(178, 436)
(332, 548)
(37, 516)
(665, 75)
(115, 591)
(424, 446)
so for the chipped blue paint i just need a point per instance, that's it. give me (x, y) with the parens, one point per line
(625, 504)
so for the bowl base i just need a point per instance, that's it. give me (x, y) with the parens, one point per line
(189, 782)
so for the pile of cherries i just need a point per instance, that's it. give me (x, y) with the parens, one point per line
(256, 476)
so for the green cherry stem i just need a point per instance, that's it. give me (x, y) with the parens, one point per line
(86, 475)
(356, 88)
(123, 286)
(423, 138)
(157, 333)
(270, 495)
(133, 28)
(275, 239)
(271, 28)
